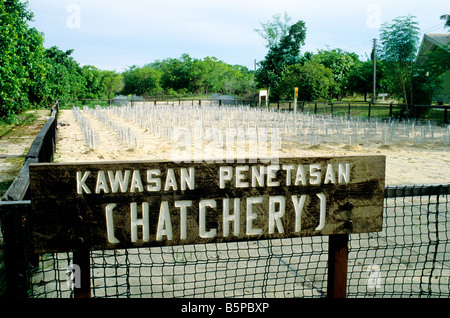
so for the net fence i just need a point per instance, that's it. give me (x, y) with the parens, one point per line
(408, 258)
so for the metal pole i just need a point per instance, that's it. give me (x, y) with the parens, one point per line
(374, 69)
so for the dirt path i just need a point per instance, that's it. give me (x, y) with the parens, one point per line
(14, 145)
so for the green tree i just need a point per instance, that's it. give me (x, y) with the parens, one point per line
(446, 18)
(65, 77)
(141, 80)
(210, 75)
(273, 31)
(341, 63)
(399, 44)
(287, 52)
(113, 82)
(175, 73)
(22, 61)
(95, 87)
(360, 78)
(312, 78)
(424, 88)
(238, 80)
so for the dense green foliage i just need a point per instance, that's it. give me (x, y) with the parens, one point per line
(313, 80)
(188, 75)
(22, 59)
(32, 76)
(359, 80)
(341, 63)
(66, 79)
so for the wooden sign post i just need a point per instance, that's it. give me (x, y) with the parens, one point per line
(295, 104)
(265, 94)
(98, 206)
(337, 265)
(81, 257)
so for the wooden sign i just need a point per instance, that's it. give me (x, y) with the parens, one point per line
(265, 94)
(135, 204)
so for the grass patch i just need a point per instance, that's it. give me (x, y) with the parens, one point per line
(5, 184)
(16, 163)
(22, 125)
(10, 125)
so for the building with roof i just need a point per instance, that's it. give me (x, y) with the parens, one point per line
(434, 56)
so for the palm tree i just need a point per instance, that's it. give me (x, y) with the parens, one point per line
(446, 18)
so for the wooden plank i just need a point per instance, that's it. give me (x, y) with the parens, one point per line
(37, 144)
(167, 203)
(19, 188)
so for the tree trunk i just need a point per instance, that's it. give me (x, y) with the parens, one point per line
(402, 82)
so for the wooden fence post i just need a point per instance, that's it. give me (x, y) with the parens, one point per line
(81, 258)
(18, 257)
(337, 266)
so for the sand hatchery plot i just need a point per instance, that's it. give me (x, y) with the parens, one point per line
(416, 153)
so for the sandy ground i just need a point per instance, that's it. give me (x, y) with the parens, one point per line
(15, 145)
(406, 163)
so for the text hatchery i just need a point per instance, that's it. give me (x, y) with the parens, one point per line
(134, 204)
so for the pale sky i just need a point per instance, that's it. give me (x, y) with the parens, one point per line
(116, 34)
